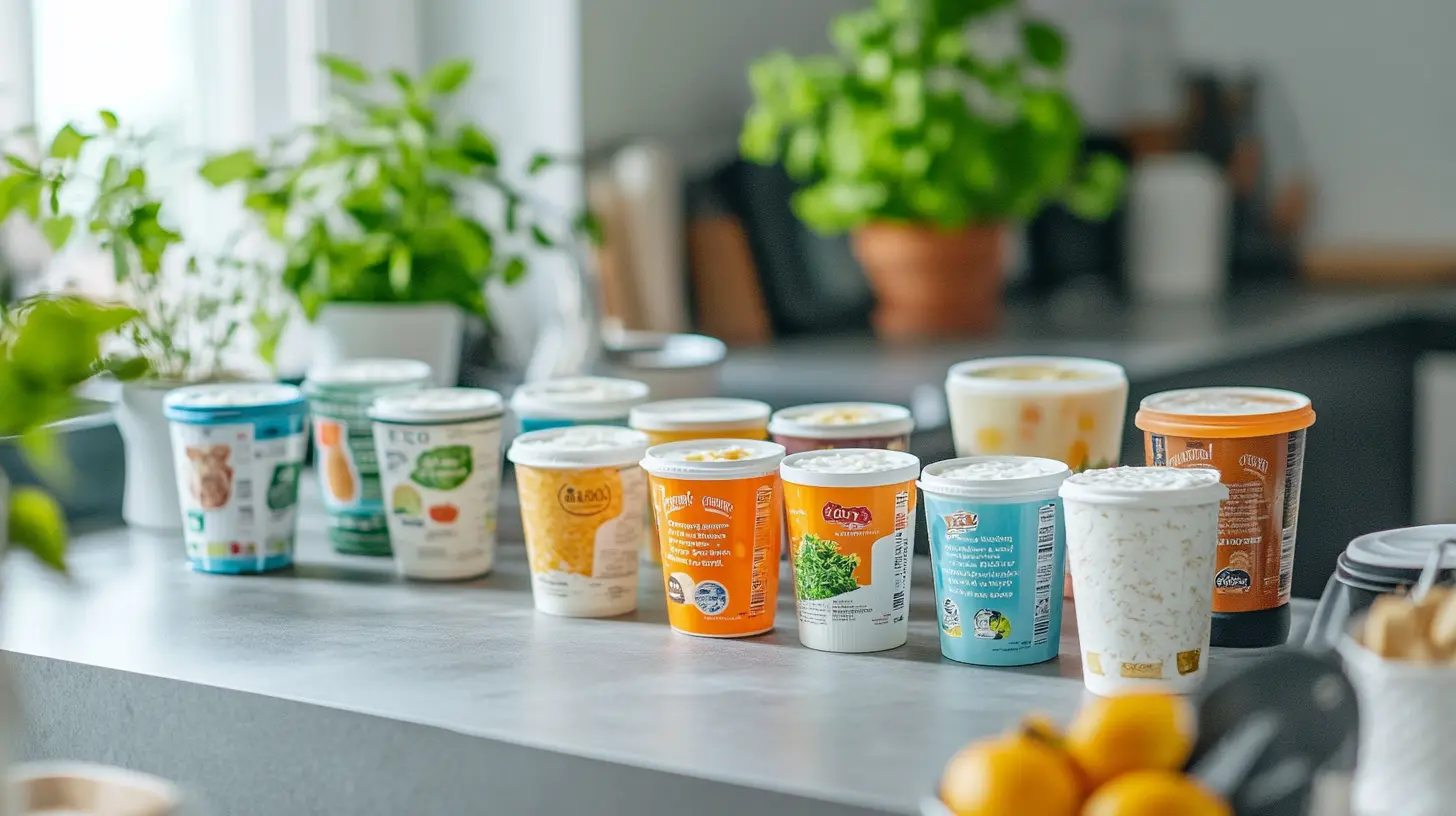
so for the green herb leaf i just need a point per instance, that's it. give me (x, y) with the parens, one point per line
(67, 143)
(447, 77)
(57, 230)
(476, 146)
(21, 164)
(588, 225)
(515, 270)
(109, 120)
(125, 369)
(402, 81)
(821, 571)
(541, 237)
(539, 162)
(345, 70)
(230, 167)
(513, 207)
(10, 193)
(1044, 43)
(400, 269)
(37, 523)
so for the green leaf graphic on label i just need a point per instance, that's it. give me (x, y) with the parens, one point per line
(443, 468)
(283, 490)
(406, 501)
(821, 570)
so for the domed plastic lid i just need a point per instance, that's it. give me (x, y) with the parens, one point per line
(367, 373)
(222, 401)
(993, 476)
(1406, 548)
(850, 467)
(713, 459)
(580, 398)
(579, 446)
(842, 420)
(1023, 375)
(434, 405)
(716, 413)
(1224, 413)
(1145, 486)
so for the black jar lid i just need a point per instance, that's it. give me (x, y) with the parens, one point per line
(1390, 559)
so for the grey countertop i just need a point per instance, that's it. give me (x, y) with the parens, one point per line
(762, 714)
(1149, 340)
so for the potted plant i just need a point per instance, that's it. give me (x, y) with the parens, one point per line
(192, 310)
(376, 209)
(934, 125)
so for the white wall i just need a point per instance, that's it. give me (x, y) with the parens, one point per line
(676, 70)
(1370, 84)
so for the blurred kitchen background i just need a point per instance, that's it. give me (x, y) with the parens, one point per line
(1289, 215)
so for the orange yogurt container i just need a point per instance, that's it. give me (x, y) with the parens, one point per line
(719, 506)
(851, 515)
(1255, 438)
(683, 420)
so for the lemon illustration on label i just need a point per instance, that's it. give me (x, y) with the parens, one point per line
(406, 501)
(950, 618)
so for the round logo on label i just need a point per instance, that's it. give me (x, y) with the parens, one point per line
(710, 597)
(585, 500)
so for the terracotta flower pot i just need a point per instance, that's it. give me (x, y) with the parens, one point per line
(932, 283)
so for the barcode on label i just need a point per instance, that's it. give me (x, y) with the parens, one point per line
(903, 544)
(1293, 467)
(1046, 542)
(245, 521)
(763, 533)
(243, 490)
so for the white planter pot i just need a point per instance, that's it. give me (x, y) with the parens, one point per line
(430, 332)
(150, 497)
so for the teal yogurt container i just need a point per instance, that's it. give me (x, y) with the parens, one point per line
(998, 552)
(238, 450)
(569, 401)
(339, 397)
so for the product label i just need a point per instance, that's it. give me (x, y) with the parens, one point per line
(348, 470)
(998, 578)
(442, 484)
(720, 553)
(851, 552)
(239, 490)
(583, 530)
(1256, 524)
(651, 551)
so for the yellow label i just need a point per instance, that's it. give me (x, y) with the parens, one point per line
(1188, 661)
(1143, 671)
(561, 511)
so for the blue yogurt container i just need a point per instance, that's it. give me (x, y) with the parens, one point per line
(569, 401)
(998, 551)
(238, 450)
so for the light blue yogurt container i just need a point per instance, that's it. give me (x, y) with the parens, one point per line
(997, 551)
(546, 404)
(238, 450)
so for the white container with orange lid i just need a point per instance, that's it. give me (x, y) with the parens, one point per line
(1254, 437)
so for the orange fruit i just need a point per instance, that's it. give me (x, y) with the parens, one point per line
(1020, 772)
(1155, 793)
(1131, 732)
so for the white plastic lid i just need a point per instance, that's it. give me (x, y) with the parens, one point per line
(579, 446)
(1146, 486)
(1225, 401)
(994, 477)
(715, 413)
(1405, 548)
(578, 398)
(850, 467)
(368, 372)
(842, 420)
(437, 405)
(1062, 375)
(232, 395)
(672, 460)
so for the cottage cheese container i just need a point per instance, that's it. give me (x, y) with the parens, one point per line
(238, 450)
(581, 492)
(851, 518)
(339, 395)
(842, 425)
(1142, 543)
(439, 454)
(997, 552)
(576, 401)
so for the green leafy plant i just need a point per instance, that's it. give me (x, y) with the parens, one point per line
(377, 203)
(190, 307)
(48, 346)
(821, 570)
(916, 119)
